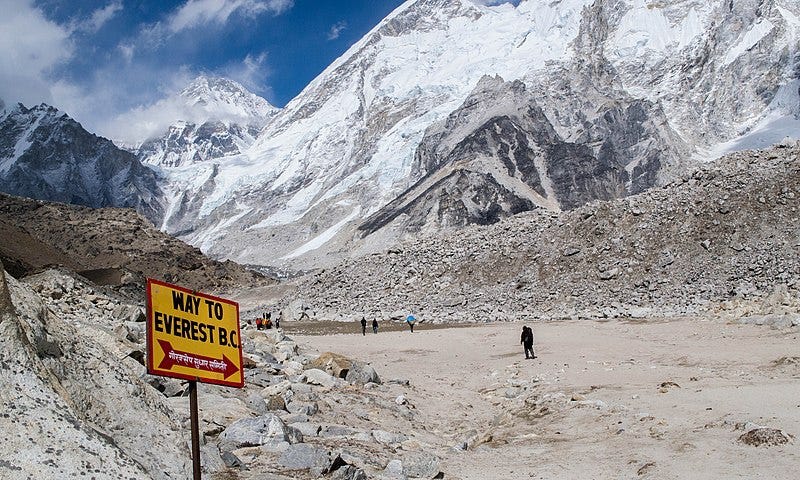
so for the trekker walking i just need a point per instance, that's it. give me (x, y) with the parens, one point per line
(410, 321)
(375, 325)
(363, 326)
(278, 319)
(526, 339)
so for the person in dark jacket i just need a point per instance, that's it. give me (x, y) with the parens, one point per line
(374, 325)
(526, 339)
(363, 326)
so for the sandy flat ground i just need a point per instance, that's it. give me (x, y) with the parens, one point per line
(656, 399)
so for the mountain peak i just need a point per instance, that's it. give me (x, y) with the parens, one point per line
(223, 95)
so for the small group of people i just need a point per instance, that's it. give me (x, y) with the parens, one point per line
(364, 326)
(265, 321)
(410, 320)
(526, 339)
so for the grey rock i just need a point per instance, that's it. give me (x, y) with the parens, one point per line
(304, 456)
(421, 465)
(305, 408)
(249, 432)
(232, 461)
(362, 373)
(383, 436)
(318, 377)
(295, 435)
(348, 472)
(256, 403)
(307, 429)
(336, 431)
(210, 459)
(394, 470)
(609, 274)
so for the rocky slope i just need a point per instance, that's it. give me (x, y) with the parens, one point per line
(47, 155)
(77, 401)
(110, 246)
(724, 237)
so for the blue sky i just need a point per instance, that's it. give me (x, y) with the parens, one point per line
(97, 60)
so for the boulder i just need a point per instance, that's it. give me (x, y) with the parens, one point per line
(394, 470)
(256, 403)
(362, 373)
(336, 431)
(348, 472)
(315, 376)
(307, 429)
(304, 456)
(250, 432)
(333, 363)
(421, 465)
(388, 438)
(305, 408)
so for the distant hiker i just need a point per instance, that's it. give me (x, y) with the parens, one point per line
(363, 326)
(526, 339)
(410, 320)
(259, 323)
(374, 325)
(278, 319)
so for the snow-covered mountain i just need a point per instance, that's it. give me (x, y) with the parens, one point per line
(45, 154)
(605, 78)
(215, 117)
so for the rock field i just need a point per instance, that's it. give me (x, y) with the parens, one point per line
(77, 400)
(723, 240)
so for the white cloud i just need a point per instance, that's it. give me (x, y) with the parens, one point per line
(196, 13)
(127, 50)
(150, 119)
(100, 17)
(252, 72)
(30, 46)
(337, 30)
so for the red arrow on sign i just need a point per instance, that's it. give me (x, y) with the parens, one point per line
(184, 359)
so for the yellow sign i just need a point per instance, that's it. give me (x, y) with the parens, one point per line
(193, 336)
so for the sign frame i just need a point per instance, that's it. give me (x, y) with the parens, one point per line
(152, 340)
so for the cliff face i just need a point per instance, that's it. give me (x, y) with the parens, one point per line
(500, 154)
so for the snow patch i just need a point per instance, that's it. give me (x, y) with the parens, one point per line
(758, 31)
(780, 123)
(323, 238)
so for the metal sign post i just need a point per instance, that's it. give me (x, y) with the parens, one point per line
(195, 337)
(193, 414)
